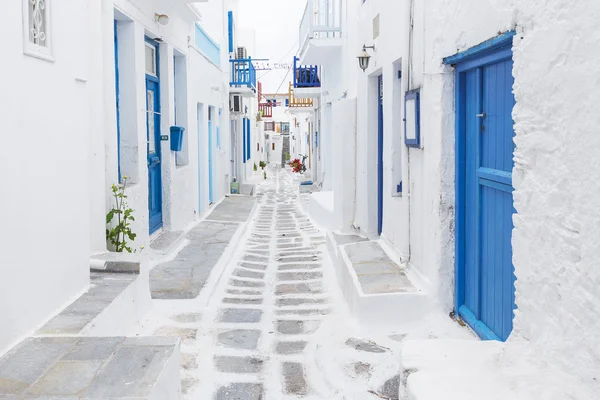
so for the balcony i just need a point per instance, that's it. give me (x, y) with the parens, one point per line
(307, 83)
(269, 126)
(243, 77)
(266, 109)
(297, 104)
(320, 31)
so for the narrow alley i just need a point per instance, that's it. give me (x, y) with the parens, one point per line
(275, 325)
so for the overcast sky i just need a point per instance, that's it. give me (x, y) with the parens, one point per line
(276, 23)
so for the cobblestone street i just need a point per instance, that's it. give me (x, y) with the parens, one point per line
(276, 326)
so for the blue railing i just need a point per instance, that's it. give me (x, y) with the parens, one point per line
(208, 46)
(243, 73)
(306, 76)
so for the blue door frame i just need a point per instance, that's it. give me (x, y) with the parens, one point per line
(484, 274)
(211, 112)
(117, 101)
(380, 155)
(153, 145)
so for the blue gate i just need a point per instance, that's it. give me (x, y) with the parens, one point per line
(485, 292)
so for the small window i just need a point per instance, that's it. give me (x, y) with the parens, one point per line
(36, 28)
(273, 146)
(412, 118)
(150, 59)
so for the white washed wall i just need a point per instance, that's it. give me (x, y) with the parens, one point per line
(44, 206)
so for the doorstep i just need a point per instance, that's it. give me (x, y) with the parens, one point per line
(377, 290)
(167, 241)
(94, 368)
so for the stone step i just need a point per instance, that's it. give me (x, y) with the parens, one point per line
(167, 241)
(113, 302)
(93, 368)
(377, 290)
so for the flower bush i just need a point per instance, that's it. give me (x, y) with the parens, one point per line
(296, 165)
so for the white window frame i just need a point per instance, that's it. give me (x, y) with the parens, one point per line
(154, 59)
(32, 49)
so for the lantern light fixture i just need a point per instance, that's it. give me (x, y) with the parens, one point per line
(364, 57)
(162, 19)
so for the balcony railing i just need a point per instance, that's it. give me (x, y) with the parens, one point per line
(322, 20)
(269, 126)
(266, 110)
(293, 102)
(243, 73)
(306, 76)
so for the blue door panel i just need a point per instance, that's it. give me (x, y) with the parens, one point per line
(154, 167)
(485, 119)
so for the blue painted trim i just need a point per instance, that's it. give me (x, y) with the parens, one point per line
(399, 188)
(207, 46)
(230, 30)
(380, 135)
(243, 73)
(416, 96)
(490, 45)
(479, 327)
(495, 175)
(117, 102)
(306, 76)
(244, 140)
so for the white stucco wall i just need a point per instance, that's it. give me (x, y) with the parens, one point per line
(44, 208)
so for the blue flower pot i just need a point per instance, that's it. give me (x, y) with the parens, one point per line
(177, 138)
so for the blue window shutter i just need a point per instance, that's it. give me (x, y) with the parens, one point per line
(248, 155)
(230, 29)
(244, 139)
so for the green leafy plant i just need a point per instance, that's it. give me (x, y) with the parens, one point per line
(265, 175)
(287, 156)
(262, 164)
(121, 231)
(255, 167)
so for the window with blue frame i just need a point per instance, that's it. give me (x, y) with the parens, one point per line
(244, 140)
(412, 118)
(248, 140)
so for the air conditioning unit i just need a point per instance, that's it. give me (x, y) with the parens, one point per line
(241, 53)
(236, 104)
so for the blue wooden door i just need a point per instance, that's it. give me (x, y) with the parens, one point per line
(380, 155)
(487, 298)
(153, 140)
(210, 154)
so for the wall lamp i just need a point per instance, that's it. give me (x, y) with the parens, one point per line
(364, 57)
(162, 19)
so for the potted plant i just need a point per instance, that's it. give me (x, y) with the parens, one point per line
(119, 232)
(262, 165)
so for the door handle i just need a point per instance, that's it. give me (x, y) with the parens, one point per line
(482, 115)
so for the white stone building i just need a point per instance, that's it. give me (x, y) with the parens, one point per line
(96, 87)
(427, 159)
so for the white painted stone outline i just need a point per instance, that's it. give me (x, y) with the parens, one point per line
(44, 24)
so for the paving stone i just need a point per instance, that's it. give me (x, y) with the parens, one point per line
(245, 292)
(189, 361)
(385, 283)
(258, 259)
(242, 273)
(294, 327)
(298, 302)
(286, 348)
(398, 337)
(245, 339)
(365, 345)
(249, 284)
(293, 378)
(25, 363)
(66, 378)
(303, 312)
(361, 369)
(187, 384)
(239, 315)
(257, 267)
(238, 300)
(293, 267)
(88, 349)
(240, 391)
(299, 288)
(238, 365)
(187, 317)
(299, 276)
(390, 389)
(298, 259)
(308, 253)
(183, 333)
